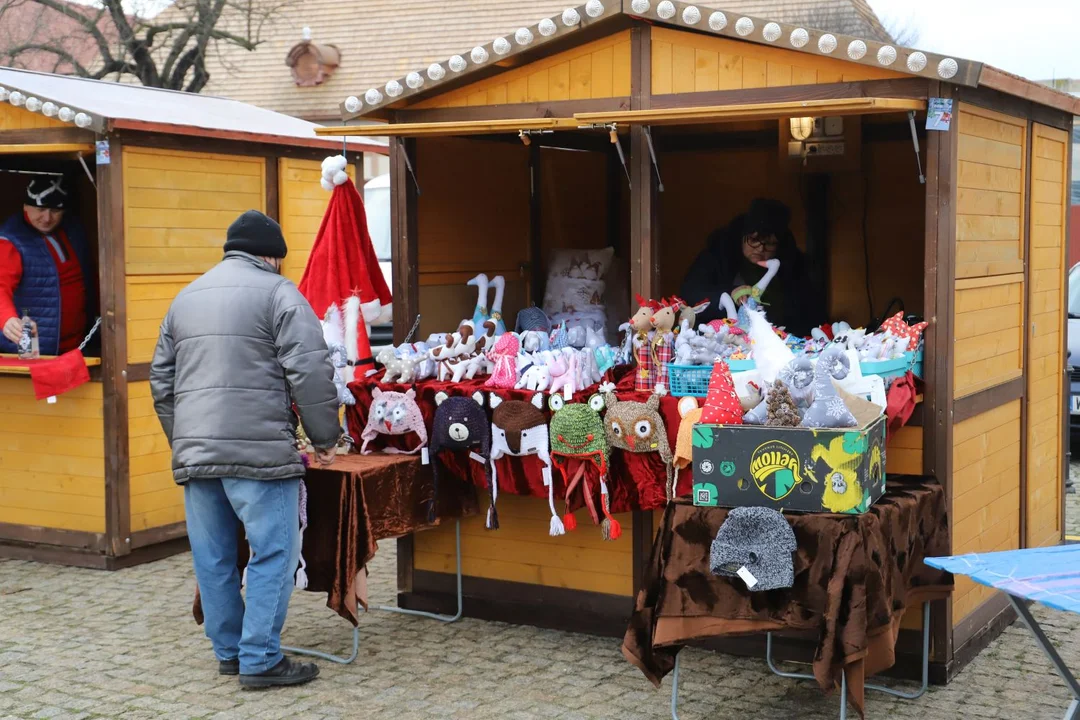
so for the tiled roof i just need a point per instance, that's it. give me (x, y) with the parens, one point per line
(381, 39)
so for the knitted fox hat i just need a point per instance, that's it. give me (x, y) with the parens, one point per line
(393, 413)
(519, 428)
(639, 428)
(577, 431)
(461, 424)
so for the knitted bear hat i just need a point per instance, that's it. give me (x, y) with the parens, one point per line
(639, 428)
(519, 429)
(577, 431)
(393, 413)
(461, 424)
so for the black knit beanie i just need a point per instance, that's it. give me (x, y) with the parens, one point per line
(256, 234)
(767, 216)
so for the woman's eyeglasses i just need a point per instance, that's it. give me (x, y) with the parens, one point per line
(757, 243)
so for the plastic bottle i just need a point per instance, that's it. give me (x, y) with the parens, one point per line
(28, 343)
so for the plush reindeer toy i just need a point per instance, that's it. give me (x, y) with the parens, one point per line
(461, 424)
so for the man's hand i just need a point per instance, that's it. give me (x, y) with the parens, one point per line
(325, 456)
(13, 329)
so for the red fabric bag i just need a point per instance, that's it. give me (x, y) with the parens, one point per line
(55, 376)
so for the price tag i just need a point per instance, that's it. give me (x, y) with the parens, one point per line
(747, 577)
(567, 393)
(547, 476)
(424, 458)
(51, 399)
(478, 458)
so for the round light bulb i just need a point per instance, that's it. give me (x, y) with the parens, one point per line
(771, 32)
(501, 46)
(799, 38)
(352, 104)
(523, 36)
(16, 98)
(570, 17)
(691, 15)
(436, 72)
(83, 120)
(33, 104)
(744, 26)
(373, 96)
(393, 88)
(547, 27)
(594, 8)
(717, 21)
(886, 55)
(666, 9)
(826, 43)
(49, 109)
(856, 50)
(457, 63)
(66, 114)
(916, 61)
(479, 55)
(640, 6)
(947, 68)
(414, 80)
(3, 94)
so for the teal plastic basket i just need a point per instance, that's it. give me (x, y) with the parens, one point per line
(689, 380)
(897, 367)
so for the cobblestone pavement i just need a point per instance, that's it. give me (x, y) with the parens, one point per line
(87, 644)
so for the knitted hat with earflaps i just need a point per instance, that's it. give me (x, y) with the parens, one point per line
(461, 424)
(577, 431)
(519, 429)
(639, 428)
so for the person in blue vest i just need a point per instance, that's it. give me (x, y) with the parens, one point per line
(44, 271)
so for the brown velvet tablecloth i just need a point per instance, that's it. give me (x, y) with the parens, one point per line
(353, 504)
(855, 575)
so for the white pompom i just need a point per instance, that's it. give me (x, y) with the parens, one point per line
(327, 185)
(340, 177)
(326, 164)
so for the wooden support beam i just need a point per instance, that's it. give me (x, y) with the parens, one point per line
(986, 400)
(911, 88)
(273, 202)
(1025, 248)
(551, 109)
(405, 253)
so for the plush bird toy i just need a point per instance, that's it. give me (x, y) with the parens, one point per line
(461, 424)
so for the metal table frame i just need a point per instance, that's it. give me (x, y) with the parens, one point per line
(402, 611)
(879, 688)
(1073, 713)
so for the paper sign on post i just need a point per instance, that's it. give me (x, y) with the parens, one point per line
(939, 114)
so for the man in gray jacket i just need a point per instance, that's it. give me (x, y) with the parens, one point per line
(239, 347)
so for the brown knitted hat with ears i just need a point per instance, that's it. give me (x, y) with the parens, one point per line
(518, 429)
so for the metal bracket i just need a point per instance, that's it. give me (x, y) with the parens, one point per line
(652, 154)
(408, 164)
(82, 161)
(915, 142)
(613, 133)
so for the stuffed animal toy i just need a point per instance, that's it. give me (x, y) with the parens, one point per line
(394, 413)
(639, 428)
(690, 414)
(722, 406)
(519, 429)
(402, 368)
(577, 431)
(532, 319)
(749, 296)
(535, 341)
(799, 378)
(641, 343)
(828, 409)
(503, 357)
(900, 329)
(770, 352)
(469, 360)
(480, 312)
(461, 424)
(661, 349)
(535, 375)
(334, 335)
(563, 369)
(496, 307)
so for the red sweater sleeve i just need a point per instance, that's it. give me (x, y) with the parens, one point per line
(10, 275)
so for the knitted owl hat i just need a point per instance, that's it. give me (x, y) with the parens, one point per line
(461, 424)
(722, 406)
(638, 427)
(393, 413)
(519, 429)
(577, 431)
(684, 444)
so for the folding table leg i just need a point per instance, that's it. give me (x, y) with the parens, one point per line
(1073, 713)
(328, 656)
(675, 689)
(437, 616)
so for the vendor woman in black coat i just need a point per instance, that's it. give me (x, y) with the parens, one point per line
(731, 259)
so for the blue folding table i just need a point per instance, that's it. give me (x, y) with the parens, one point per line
(1047, 575)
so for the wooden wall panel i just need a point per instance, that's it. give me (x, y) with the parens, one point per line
(13, 118)
(988, 337)
(148, 299)
(684, 62)
(573, 199)
(156, 500)
(1049, 203)
(302, 204)
(522, 551)
(990, 192)
(178, 205)
(53, 457)
(986, 494)
(904, 452)
(600, 69)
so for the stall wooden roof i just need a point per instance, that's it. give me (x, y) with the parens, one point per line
(576, 24)
(110, 105)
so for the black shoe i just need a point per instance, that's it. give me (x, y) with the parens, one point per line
(228, 667)
(285, 672)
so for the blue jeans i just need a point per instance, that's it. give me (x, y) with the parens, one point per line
(269, 512)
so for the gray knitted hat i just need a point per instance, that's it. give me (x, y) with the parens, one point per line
(759, 539)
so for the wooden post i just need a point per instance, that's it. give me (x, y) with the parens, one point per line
(537, 278)
(644, 273)
(406, 261)
(1025, 247)
(273, 187)
(1066, 383)
(112, 277)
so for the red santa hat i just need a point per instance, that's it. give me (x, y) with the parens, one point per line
(722, 406)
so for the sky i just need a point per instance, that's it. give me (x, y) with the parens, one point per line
(1033, 38)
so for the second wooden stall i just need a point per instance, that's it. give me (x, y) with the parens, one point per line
(612, 125)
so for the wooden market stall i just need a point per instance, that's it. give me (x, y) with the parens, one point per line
(87, 480)
(506, 153)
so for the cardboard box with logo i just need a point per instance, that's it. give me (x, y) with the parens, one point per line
(796, 469)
